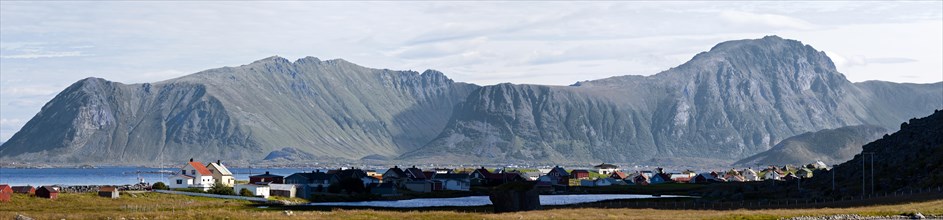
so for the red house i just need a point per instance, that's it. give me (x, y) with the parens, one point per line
(48, 192)
(267, 178)
(28, 190)
(579, 174)
(5, 193)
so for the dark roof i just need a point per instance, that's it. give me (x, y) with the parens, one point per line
(459, 176)
(23, 189)
(350, 173)
(619, 174)
(312, 176)
(416, 173)
(266, 175)
(579, 171)
(483, 171)
(48, 188)
(398, 171)
(560, 170)
(606, 166)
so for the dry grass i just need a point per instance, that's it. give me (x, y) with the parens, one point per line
(165, 206)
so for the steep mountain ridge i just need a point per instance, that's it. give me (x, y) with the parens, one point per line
(737, 99)
(326, 108)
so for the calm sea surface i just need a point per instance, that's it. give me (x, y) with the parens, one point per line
(112, 175)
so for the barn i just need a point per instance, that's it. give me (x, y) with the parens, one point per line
(5, 193)
(49, 192)
(108, 192)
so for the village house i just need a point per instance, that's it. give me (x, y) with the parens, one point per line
(423, 186)
(504, 177)
(804, 173)
(454, 181)
(108, 192)
(383, 189)
(559, 175)
(479, 177)
(256, 189)
(267, 178)
(414, 173)
(192, 175)
(396, 176)
(283, 190)
(339, 175)
(221, 174)
(49, 192)
(680, 177)
(606, 169)
(618, 175)
(772, 174)
(309, 183)
(579, 174)
(28, 190)
(641, 179)
(6, 193)
(660, 178)
(750, 175)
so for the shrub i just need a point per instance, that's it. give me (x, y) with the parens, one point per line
(220, 189)
(160, 185)
(245, 192)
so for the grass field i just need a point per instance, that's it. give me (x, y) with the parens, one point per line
(165, 206)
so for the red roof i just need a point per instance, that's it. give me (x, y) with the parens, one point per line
(6, 188)
(200, 168)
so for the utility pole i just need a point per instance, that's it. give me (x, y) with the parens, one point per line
(863, 173)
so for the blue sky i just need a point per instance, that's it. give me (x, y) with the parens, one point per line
(46, 46)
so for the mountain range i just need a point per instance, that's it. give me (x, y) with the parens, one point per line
(735, 100)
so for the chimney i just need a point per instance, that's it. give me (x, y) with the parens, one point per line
(266, 172)
(191, 159)
(218, 162)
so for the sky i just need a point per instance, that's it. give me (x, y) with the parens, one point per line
(46, 46)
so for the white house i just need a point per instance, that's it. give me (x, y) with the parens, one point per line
(750, 175)
(773, 175)
(596, 182)
(195, 175)
(283, 190)
(454, 181)
(180, 181)
(221, 174)
(606, 169)
(257, 190)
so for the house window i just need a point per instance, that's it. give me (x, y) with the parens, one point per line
(179, 181)
(184, 172)
(192, 172)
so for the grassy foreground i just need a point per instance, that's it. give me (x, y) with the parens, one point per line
(165, 206)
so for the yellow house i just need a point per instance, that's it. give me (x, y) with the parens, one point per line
(220, 174)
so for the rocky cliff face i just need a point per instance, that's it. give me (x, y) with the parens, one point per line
(323, 108)
(831, 146)
(737, 99)
(911, 158)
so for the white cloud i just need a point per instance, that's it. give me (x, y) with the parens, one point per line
(768, 20)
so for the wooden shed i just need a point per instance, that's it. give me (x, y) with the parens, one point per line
(108, 192)
(5, 193)
(49, 192)
(28, 190)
